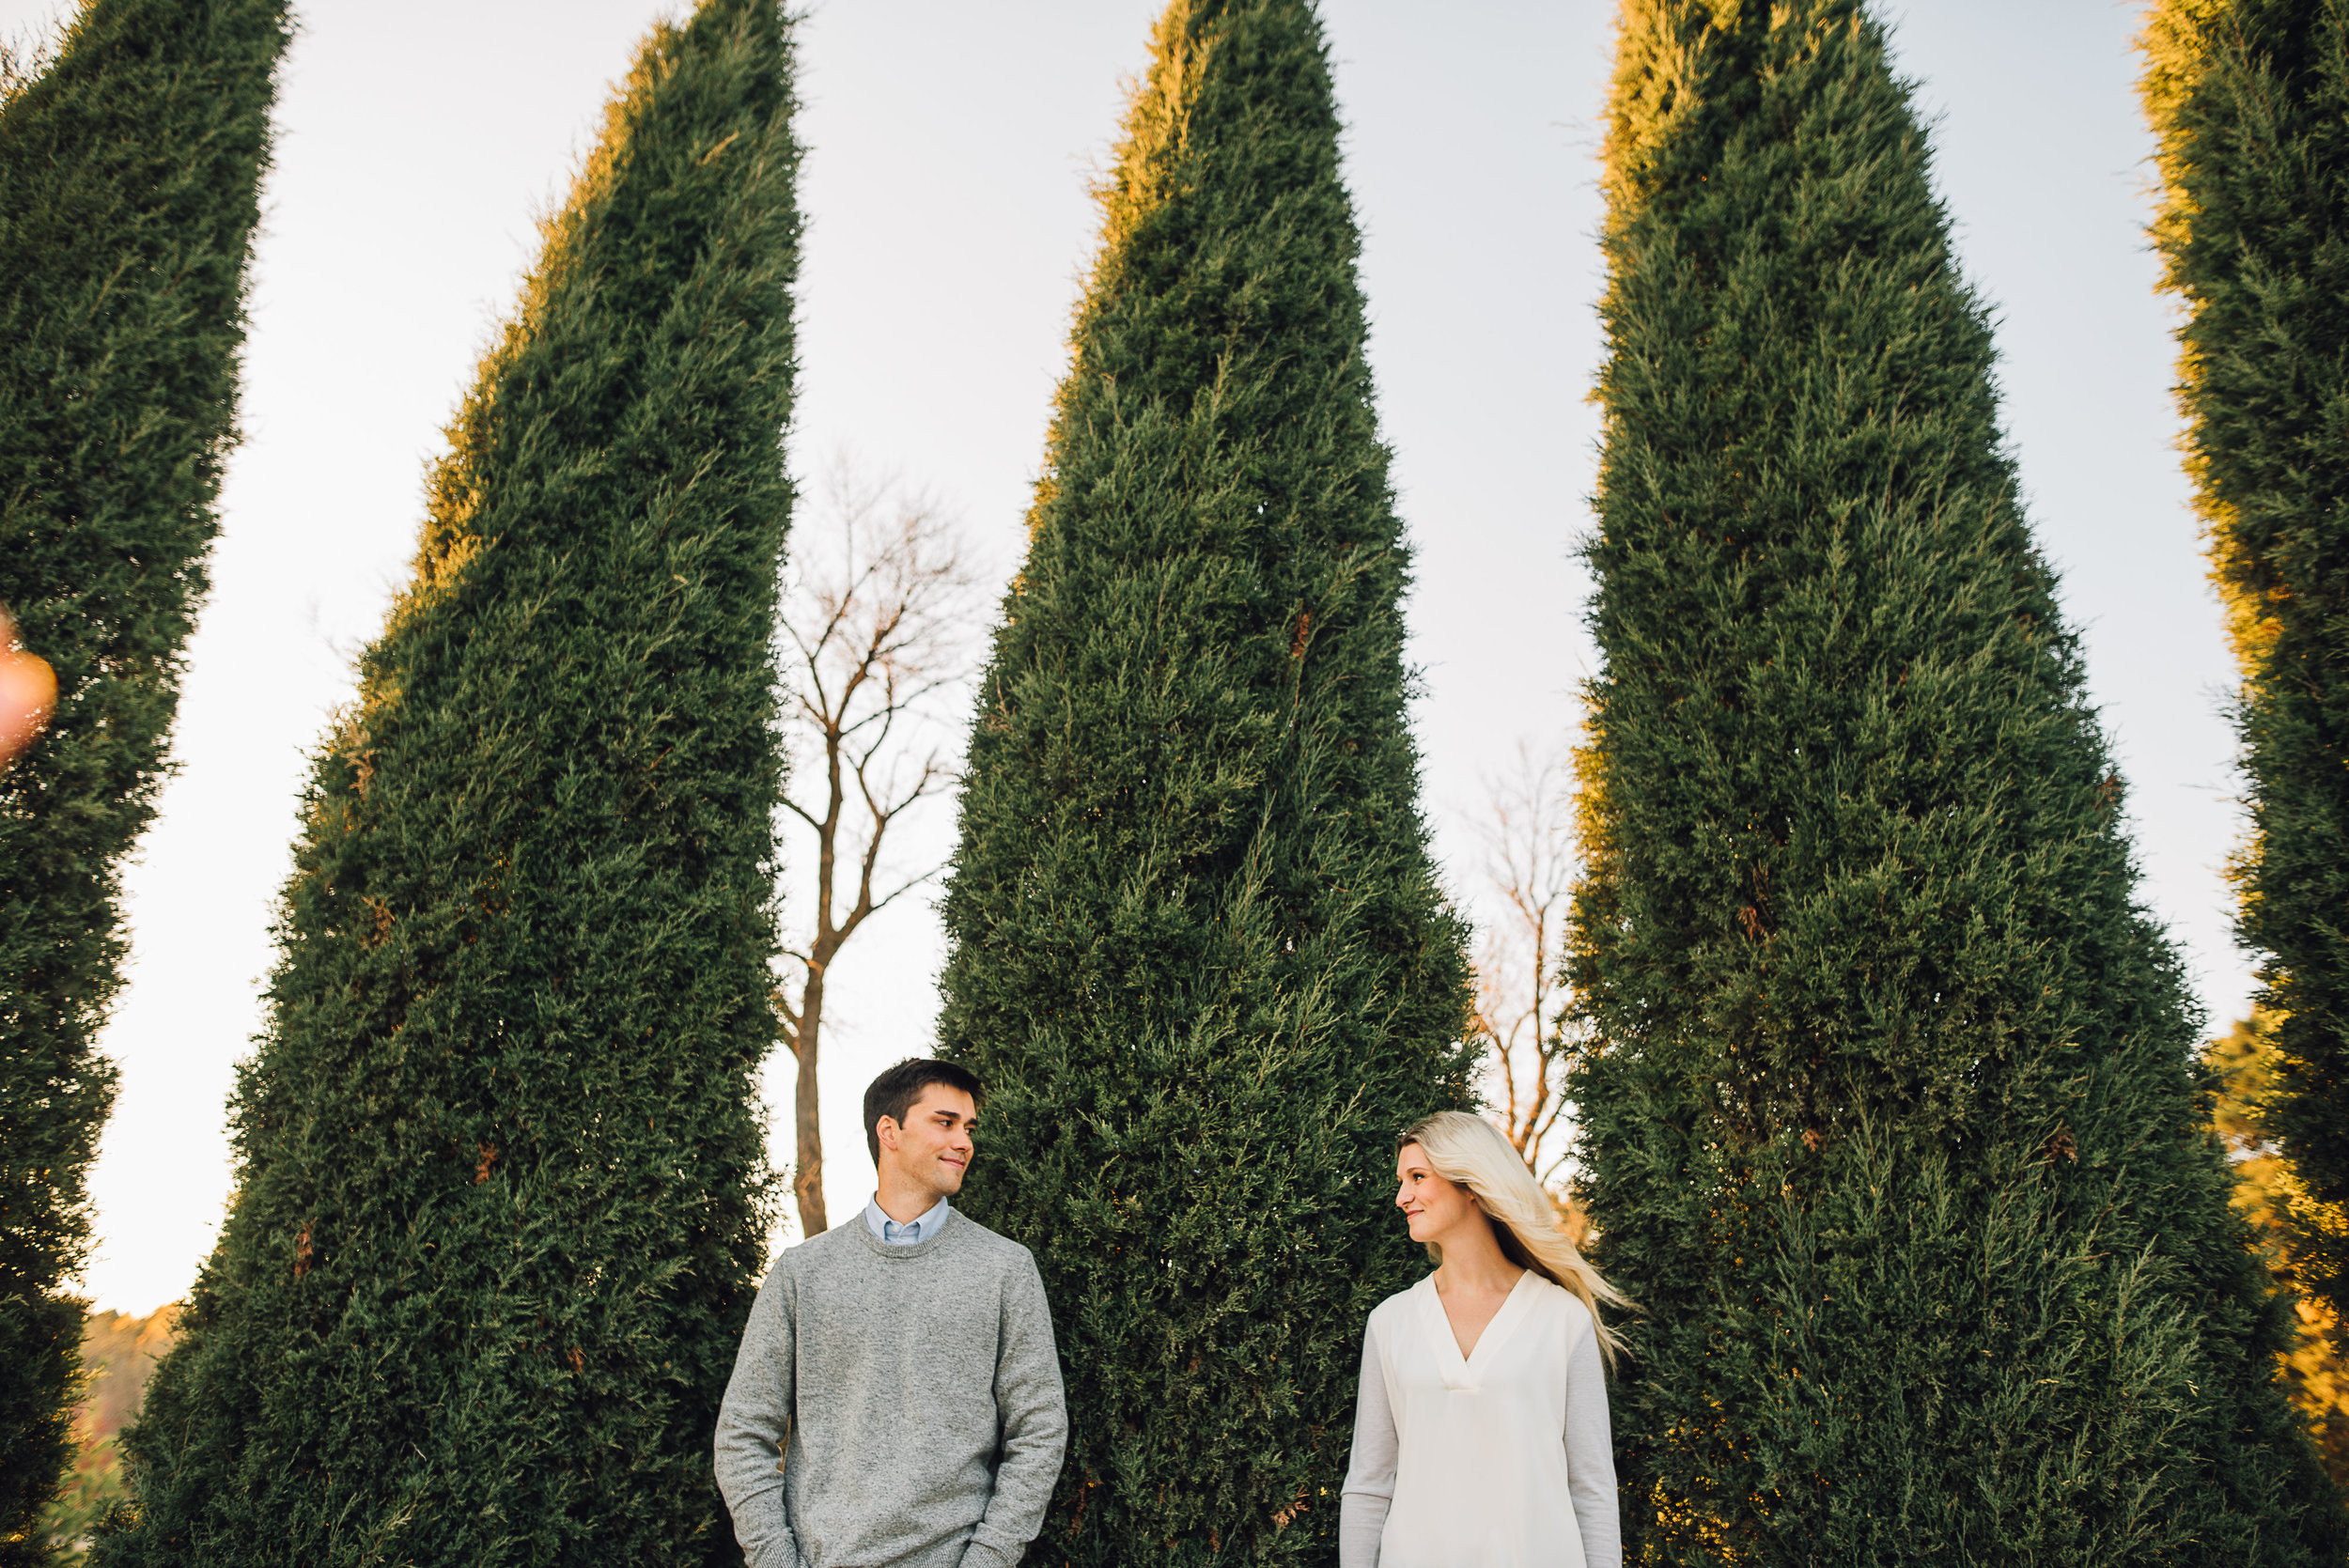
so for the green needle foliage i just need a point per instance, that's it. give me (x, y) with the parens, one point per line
(129, 173)
(1889, 1097)
(1198, 951)
(502, 1200)
(2252, 100)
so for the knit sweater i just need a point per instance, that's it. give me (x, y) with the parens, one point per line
(894, 1404)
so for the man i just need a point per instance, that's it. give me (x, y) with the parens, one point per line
(896, 1399)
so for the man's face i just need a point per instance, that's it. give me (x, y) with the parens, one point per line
(932, 1148)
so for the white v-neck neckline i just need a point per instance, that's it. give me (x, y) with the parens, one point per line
(1460, 1371)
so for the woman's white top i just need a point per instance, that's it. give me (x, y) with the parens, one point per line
(1501, 1460)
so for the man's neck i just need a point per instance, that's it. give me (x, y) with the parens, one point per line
(903, 1200)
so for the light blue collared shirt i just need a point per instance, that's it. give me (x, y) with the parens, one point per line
(887, 1230)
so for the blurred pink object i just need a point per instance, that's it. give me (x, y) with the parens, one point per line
(28, 689)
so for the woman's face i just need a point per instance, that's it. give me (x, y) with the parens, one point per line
(1430, 1205)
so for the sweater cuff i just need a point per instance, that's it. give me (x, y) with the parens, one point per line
(980, 1554)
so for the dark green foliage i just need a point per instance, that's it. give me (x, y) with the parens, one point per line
(129, 179)
(1198, 952)
(502, 1197)
(2251, 99)
(1889, 1109)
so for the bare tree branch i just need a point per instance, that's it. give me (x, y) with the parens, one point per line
(876, 621)
(1529, 862)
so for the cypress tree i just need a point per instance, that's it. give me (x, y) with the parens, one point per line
(1198, 952)
(1888, 1099)
(502, 1199)
(130, 172)
(2249, 99)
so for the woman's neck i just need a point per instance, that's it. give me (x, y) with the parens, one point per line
(1473, 1260)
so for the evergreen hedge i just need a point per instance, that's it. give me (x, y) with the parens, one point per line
(1197, 950)
(501, 1201)
(2249, 98)
(1889, 1106)
(128, 179)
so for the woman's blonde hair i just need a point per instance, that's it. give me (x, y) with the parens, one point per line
(1471, 1153)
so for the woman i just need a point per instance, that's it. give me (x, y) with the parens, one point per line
(1479, 1435)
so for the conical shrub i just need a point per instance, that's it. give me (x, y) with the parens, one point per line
(1891, 1112)
(130, 172)
(2248, 97)
(1198, 952)
(501, 1198)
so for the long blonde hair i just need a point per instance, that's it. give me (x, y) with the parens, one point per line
(1471, 1153)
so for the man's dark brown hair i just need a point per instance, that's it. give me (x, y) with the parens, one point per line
(892, 1094)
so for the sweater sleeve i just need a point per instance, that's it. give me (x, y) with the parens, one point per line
(754, 1426)
(1369, 1474)
(1033, 1423)
(1591, 1454)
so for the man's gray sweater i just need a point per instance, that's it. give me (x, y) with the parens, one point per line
(919, 1396)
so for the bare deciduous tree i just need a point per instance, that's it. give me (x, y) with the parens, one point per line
(1528, 863)
(872, 632)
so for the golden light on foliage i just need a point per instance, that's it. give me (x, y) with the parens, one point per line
(2276, 1203)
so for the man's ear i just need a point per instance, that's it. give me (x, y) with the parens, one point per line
(885, 1129)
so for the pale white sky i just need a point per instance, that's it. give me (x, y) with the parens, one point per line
(951, 145)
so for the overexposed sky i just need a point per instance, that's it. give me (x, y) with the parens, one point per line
(949, 222)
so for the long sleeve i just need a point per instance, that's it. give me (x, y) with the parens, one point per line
(755, 1424)
(1370, 1474)
(1591, 1456)
(1035, 1421)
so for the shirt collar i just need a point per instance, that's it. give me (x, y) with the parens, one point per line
(887, 1230)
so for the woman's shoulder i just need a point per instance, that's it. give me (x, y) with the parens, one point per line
(1399, 1303)
(1563, 1304)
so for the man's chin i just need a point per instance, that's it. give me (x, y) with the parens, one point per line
(950, 1179)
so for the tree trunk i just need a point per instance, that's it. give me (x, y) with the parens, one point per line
(807, 1166)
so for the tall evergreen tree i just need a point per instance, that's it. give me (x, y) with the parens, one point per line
(1198, 952)
(2249, 99)
(502, 1199)
(129, 173)
(1887, 1084)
